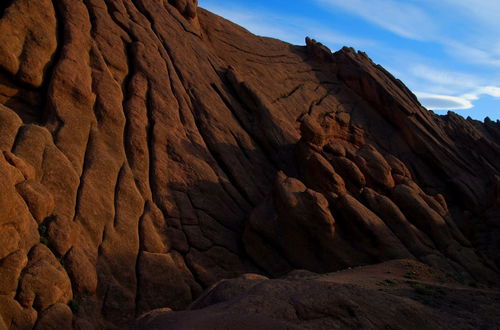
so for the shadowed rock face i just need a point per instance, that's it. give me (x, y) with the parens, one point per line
(150, 149)
(378, 296)
(281, 304)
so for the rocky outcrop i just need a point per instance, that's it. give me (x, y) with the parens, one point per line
(384, 215)
(292, 229)
(150, 148)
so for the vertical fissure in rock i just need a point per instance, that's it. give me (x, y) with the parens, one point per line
(139, 251)
(220, 161)
(81, 182)
(111, 6)
(268, 151)
(151, 151)
(181, 24)
(131, 71)
(47, 114)
(242, 124)
(119, 179)
(92, 18)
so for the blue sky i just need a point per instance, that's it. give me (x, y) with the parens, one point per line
(447, 52)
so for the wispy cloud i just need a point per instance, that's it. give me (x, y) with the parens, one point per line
(403, 19)
(480, 41)
(425, 23)
(461, 102)
(485, 12)
(459, 90)
(474, 54)
(485, 90)
(443, 102)
(443, 79)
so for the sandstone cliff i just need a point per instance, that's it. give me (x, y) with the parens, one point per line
(150, 148)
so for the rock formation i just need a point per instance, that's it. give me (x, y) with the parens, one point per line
(150, 148)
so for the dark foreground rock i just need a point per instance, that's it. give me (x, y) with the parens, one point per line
(280, 304)
(377, 297)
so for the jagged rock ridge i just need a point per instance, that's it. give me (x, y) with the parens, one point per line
(151, 148)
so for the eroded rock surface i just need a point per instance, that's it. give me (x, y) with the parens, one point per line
(150, 149)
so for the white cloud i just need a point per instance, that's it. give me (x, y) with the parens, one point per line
(469, 87)
(443, 102)
(434, 81)
(490, 90)
(463, 102)
(451, 80)
(403, 19)
(473, 54)
(485, 90)
(436, 21)
(484, 12)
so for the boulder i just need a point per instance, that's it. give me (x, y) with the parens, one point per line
(44, 282)
(374, 165)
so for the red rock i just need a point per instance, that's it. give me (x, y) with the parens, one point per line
(350, 171)
(318, 173)
(58, 316)
(27, 170)
(186, 7)
(9, 125)
(369, 230)
(44, 282)
(311, 132)
(422, 215)
(375, 166)
(142, 141)
(301, 227)
(414, 239)
(40, 201)
(10, 241)
(10, 271)
(335, 148)
(162, 282)
(81, 271)
(28, 40)
(14, 315)
(398, 167)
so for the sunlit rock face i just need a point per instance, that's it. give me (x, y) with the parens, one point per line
(150, 148)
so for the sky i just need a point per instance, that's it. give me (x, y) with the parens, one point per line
(447, 52)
